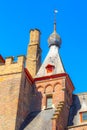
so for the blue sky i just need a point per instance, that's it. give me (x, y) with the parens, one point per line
(17, 17)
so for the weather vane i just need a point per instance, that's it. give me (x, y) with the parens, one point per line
(55, 12)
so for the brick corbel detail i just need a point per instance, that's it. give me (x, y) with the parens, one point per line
(56, 114)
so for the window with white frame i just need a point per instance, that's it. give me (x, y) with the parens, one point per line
(49, 102)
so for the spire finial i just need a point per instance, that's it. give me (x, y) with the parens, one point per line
(55, 12)
(54, 38)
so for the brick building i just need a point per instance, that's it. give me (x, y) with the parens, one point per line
(39, 97)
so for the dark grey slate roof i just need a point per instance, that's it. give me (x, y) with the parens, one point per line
(28, 119)
(42, 121)
(79, 105)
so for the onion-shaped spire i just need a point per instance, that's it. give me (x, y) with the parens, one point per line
(54, 38)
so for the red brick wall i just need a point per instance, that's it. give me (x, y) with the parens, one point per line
(61, 121)
(51, 86)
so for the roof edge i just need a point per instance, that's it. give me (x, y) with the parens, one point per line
(28, 75)
(49, 77)
(55, 76)
(2, 59)
(85, 124)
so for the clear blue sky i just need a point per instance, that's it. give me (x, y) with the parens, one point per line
(17, 17)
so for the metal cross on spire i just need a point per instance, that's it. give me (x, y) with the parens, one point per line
(55, 12)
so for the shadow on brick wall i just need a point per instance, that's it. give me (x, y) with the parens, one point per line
(35, 107)
(74, 109)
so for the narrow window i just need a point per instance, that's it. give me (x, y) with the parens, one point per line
(83, 116)
(49, 101)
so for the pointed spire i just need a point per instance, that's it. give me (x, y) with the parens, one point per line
(54, 38)
(53, 59)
